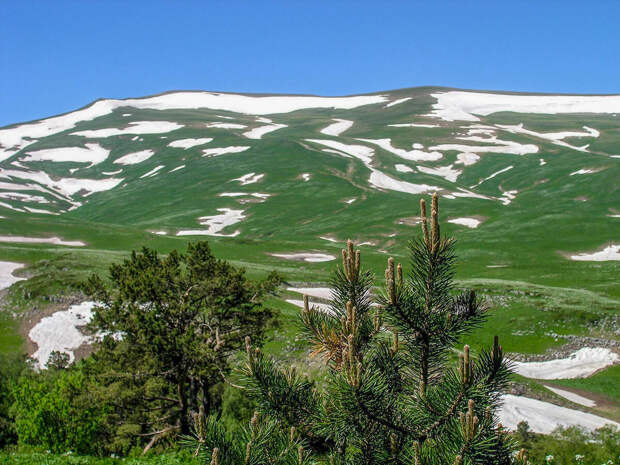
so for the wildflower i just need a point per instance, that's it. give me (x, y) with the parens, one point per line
(549, 458)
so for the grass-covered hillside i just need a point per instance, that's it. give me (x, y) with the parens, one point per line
(528, 185)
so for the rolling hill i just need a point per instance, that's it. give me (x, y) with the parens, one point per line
(528, 185)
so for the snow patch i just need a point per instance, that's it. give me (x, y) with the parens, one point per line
(469, 222)
(403, 168)
(300, 303)
(41, 240)
(216, 223)
(180, 167)
(7, 279)
(337, 128)
(396, 102)
(226, 125)
(90, 153)
(579, 364)
(223, 150)
(259, 132)
(60, 332)
(583, 171)
(459, 105)
(137, 127)
(576, 398)
(249, 178)
(361, 152)
(446, 172)
(320, 292)
(503, 170)
(189, 143)
(306, 257)
(153, 172)
(383, 181)
(134, 158)
(467, 158)
(413, 125)
(555, 137)
(412, 155)
(544, 417)
(609, 253)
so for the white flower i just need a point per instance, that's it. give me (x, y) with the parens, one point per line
(549, 458)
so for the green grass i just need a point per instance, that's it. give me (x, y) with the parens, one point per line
(605, 383)
(34, 458)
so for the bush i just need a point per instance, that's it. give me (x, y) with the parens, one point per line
(55, 410)
(573, 446)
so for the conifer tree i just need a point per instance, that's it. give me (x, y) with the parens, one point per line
(391, 393)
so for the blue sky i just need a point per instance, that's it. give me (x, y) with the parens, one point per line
(60, 55)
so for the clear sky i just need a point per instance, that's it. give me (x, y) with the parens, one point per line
(59, 55)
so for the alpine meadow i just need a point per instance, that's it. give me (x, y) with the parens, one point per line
(417, 276)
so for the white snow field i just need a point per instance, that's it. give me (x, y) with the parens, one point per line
(500, 146)
(492, 175)
(576, 398)
(180, 167)
(413, 125)
(583, 171)
(337, 128)
(396, 102)
(60, 332)
(383, 181)
(361, 152)
(216, 223)
(220, 125)
(447, 172)
(579, 364)
(189, 143)
(41, 240)
(249, 178)
(469, 222)
(467, 158)
(544, 417)
(135, 157)
(300, 303)
(90, 153)
(65, 187)
(259, 132)
(7, 279)
(411, 155)
(153, 172)
(611, 252)
(306, 257)
(21, 197)
(320, 292)
(555, 137)
(403, 168)
(463, 106)
(137, 127)
(214, 152)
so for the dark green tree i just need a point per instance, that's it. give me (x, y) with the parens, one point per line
(171, 326)
(390, 394)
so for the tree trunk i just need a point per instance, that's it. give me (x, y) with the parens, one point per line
(184, 420)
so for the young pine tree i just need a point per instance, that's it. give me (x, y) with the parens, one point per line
(391, 393)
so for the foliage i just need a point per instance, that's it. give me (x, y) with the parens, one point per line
(59, 411)
(398, 401)
(180, 319)
(572, 446)
(11, 366)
